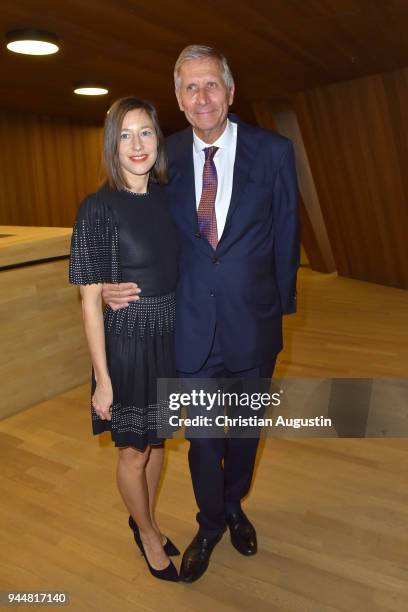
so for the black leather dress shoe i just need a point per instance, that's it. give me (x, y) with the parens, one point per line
(243, 534)
(197, 557)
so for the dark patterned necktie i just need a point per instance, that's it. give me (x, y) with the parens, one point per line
(207, 221)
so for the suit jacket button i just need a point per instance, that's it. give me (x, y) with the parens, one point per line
(216, 260)
(211, 294)
(197, 235)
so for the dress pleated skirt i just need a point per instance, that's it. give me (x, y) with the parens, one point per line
(140, 349)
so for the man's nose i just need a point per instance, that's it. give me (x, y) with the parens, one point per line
(202, 96)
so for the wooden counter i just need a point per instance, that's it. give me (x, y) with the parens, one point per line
(43, 350)
(29, 244)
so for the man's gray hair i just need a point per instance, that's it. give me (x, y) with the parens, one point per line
(200, 51)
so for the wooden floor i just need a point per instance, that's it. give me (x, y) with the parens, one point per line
(331, 514)
(346, 328)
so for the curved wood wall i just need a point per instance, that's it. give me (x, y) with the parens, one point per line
(356, 137)
(47, 166)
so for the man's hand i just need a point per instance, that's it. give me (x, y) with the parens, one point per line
(120, 295)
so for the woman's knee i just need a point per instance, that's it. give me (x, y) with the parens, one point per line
(133, 458)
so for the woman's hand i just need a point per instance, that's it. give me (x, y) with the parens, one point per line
(102, 400)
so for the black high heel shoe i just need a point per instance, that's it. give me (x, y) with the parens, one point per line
(169, 548)
(168, 573)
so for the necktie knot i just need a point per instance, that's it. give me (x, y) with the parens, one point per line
(209, 153)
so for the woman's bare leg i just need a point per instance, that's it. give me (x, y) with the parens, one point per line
(132, 485)
(153, 472)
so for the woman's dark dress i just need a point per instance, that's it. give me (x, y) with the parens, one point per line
(120, 236)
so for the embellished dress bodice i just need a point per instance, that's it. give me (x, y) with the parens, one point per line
(120, 236)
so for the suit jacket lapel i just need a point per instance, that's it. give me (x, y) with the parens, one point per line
(244, 158)
(184, 185)
(183, 178)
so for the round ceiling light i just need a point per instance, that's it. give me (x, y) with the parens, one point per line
(32, 42)
(90, 89)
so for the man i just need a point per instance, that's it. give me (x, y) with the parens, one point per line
(233, 196)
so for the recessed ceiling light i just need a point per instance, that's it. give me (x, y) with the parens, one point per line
(90, 89)
(32, 42)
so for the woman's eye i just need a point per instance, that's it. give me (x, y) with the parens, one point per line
(124, 136)
(147, 133)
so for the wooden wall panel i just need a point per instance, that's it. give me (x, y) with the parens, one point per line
(356, 136)
(275, 48)
(47, 166)
(314, 237)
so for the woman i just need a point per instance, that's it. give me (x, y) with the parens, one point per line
(123, 232)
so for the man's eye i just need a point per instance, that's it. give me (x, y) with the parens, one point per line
(212, 85)
(191, 87)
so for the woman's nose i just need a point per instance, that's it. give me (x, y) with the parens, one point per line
(136, 143)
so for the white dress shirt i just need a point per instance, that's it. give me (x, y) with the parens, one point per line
(224, 160)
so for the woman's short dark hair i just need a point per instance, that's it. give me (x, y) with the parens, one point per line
(113, 127)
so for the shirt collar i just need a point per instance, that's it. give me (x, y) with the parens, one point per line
(225, 141)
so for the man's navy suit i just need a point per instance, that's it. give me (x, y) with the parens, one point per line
(235, 296)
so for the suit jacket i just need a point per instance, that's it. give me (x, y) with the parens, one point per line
(247, 284)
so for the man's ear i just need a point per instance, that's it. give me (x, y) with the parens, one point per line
(178, 96)
(231, 95)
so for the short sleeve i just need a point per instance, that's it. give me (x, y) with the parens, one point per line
(94, 256)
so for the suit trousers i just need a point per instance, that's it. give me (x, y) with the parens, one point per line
(222, 467)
